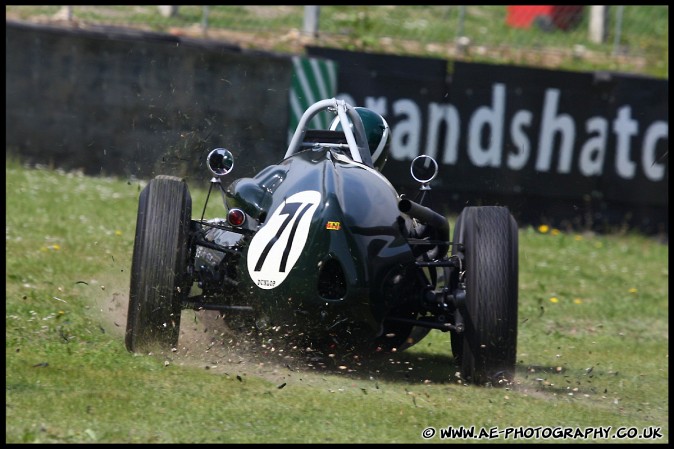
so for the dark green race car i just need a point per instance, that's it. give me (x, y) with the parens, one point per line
(323, 245)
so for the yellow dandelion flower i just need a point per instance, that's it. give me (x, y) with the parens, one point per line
(578, 238)
(554, 300)
(632, 290)
(577, 301)
(56, 247)
(543, 229)
(554, 232)
(118, 232)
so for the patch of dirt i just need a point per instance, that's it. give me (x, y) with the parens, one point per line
(206, 341)
(239, 350)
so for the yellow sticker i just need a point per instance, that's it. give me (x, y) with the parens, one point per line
(333, 225)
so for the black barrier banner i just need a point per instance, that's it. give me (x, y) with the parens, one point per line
(517, 131)
(563, 134)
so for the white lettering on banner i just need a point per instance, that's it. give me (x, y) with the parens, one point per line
(521, 119)
(438, 114)
(551, 124)
(652, 169)
(406, 135)
(484, 116)
(624, 127)
(593, 152)
(558, 135)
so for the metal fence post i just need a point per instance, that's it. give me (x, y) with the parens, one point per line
(459, 28)
(311, 14)
(618, 29)
(204, 20)
(65, 13)
(168, 11)
(598, 23)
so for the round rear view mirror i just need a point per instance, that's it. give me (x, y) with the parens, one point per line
(220, 161)
(424, 168)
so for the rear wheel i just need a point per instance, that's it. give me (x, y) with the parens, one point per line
(486, 350)
(160, 280)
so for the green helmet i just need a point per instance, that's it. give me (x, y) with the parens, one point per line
(377, 132)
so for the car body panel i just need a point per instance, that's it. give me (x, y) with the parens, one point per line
(324, 214)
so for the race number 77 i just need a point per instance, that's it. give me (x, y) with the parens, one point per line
(290, 209)
(277, 246)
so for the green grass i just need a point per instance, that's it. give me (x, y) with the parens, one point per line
(640, 45)
(592, 346)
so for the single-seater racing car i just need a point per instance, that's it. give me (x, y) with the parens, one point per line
(322, 244)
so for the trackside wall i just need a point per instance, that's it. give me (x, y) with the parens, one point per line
(129, 103)
(584, 150)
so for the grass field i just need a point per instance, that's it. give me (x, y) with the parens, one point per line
(592, 347)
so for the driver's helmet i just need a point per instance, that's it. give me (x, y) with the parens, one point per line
(377, 132)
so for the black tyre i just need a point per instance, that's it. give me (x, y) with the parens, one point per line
(487, 348)
(160, 280)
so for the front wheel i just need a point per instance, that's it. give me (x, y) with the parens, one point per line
(486, 350)
(160, 280)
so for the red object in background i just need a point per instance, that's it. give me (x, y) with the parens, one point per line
(547, 17)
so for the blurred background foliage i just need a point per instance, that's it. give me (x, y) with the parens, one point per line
(621, 38)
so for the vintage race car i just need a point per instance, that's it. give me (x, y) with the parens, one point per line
(322, 245)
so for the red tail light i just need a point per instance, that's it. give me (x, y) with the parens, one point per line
(236, 217)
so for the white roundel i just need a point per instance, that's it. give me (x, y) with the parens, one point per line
(276, 247)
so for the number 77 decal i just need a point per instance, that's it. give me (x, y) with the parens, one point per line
(277, 246)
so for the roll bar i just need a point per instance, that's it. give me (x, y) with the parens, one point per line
(356, 139)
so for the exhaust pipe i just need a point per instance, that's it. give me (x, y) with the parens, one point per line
(427, 216)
